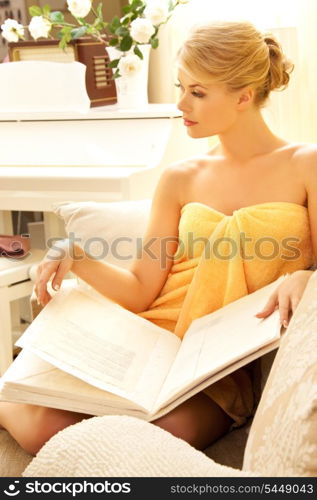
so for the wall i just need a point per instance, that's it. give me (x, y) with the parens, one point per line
(291, 113)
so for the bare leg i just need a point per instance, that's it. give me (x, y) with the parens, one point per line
(31, 426)
(199, 421)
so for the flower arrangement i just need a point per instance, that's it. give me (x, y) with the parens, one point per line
(139, 24)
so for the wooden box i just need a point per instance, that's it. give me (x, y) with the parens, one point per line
(99, 83)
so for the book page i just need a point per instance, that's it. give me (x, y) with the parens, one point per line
(32, 380)
(175, 401)
(219, 339)
(103, 344)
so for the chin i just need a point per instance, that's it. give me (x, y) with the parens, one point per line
(195, 134)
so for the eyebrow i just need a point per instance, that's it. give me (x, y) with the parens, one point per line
(196, 85)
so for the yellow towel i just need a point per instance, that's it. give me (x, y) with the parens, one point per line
(221, 258)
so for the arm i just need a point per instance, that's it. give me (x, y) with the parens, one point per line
(288, 295)
(133, 288)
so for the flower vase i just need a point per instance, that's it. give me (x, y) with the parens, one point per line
(132, 88)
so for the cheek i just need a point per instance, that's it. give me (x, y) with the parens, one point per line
(220, 115)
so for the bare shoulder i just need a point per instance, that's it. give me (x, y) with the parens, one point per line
(179, 175)
(305, 160)
(189, 166)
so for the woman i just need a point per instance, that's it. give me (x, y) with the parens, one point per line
(252, 180)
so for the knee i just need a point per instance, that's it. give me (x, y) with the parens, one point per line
(46, 423)
(180, 429)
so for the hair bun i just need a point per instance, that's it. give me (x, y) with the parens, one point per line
(280, 66)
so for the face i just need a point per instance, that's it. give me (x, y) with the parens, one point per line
(208, 109)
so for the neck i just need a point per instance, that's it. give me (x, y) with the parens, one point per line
(248, 137)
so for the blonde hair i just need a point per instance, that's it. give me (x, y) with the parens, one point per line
(238, 55)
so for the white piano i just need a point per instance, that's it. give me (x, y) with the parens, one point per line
(107, 154)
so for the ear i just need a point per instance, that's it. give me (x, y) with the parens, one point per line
(245, 98)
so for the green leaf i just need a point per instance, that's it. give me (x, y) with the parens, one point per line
(113, 42)
(63, 43)
(135, 4)
(46, 10)
(99, 11)
(122, 31)
(65, 35)
(126, 43)
(125, 20)
(116, 74)
(126, 9)
(57, 17)
(134, 16)
(114, 25)
(154, 43)
(99, 25)
(114, 63)
(78, 32)
(66, 29)
(35, 10)
(138, 52)
(115, 22)
(90, 30)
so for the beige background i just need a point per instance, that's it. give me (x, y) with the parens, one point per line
(292, 113)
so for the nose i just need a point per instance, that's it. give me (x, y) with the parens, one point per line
(183, 104)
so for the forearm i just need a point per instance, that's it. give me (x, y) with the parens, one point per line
(120, 285)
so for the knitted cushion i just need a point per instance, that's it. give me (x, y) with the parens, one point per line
(122, 446)
(283, 435)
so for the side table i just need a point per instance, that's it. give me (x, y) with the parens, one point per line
(15, 283)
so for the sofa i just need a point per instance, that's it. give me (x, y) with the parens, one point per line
(281, 439)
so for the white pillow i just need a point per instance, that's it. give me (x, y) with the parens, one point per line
(122, 446)
(108, 231)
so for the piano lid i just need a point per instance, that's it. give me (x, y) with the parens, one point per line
(112, 112)
(104, 137)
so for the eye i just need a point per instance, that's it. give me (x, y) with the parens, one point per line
(198, 94)
(195, 93)
(178, 85)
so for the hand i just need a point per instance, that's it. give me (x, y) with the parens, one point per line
(287, 296)
(57, 261)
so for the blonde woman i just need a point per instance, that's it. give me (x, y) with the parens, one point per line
(252, 184)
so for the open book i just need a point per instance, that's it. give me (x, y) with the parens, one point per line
(87, 354)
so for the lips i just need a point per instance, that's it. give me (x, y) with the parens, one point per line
(188, 123)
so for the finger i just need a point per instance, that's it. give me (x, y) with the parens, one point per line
(47, 297)
(37, 278)
(294, 302)
(43, 280)
(62, 270)
(269, 307)
(284, 306)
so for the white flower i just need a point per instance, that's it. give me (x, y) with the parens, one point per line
(79, 8)
(142, 30)
(129, 65)
(12, 30)
(156, 11)
(39, 27)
